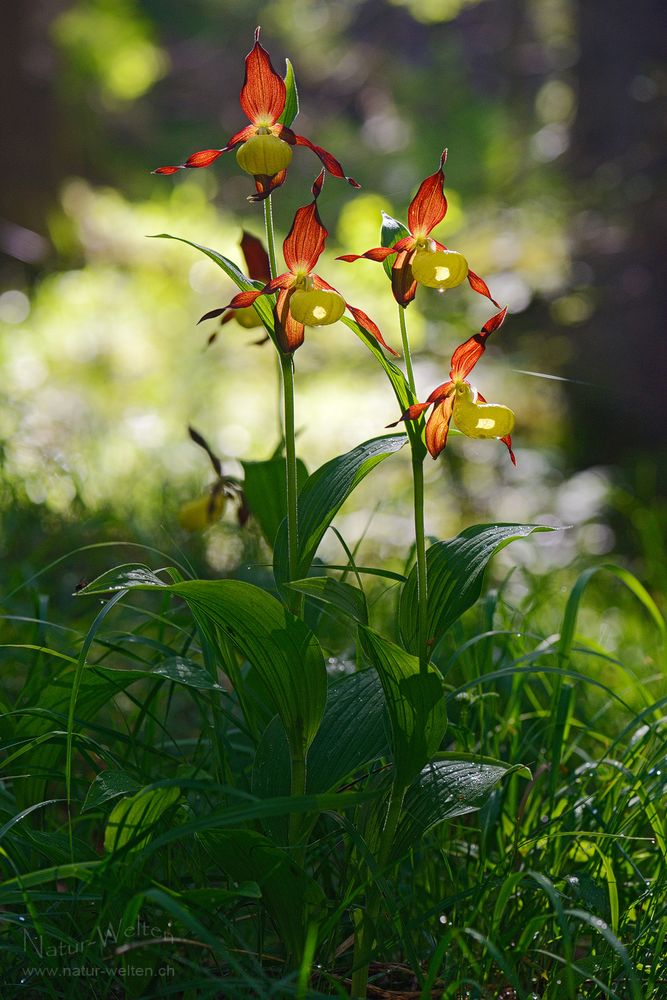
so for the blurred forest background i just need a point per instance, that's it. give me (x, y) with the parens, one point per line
(555, 116)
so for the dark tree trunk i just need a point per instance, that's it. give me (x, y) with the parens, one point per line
(617, 165)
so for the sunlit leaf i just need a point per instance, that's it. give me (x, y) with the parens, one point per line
(125, 578)
(263, 305)
(291, 109)
(109, 785)
(343, 601)
(391, 232)
(444, 789)
(455, 573)
(132, 819)
(283, 650)
(323, 495)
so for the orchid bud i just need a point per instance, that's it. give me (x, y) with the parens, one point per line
(247, 317)
(439, 268)
(316, 307)
(481, 420)
(264, 155)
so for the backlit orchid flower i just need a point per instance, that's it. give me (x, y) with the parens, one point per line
(264, 148)
(257, 267)
(420, 259)
(305, 299)
(456, 398)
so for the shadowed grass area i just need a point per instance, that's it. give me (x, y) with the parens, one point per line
(554, 888)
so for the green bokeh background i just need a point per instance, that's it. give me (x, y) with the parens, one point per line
(553, 113)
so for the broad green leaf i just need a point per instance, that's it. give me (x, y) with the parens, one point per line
(415, 703)
(125, 577)
(444, 789)
(290, 895)
(281, 648)
(264, 489)
(455, 572)
(352, 735)
(183, 671)
(133, 818)
(263, 305)
(324, 494)
(108, 785)
(343, 600)
(392, 231)
(291, 109)
(283, 651)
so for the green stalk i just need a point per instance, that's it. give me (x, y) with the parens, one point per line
(297, 788)
(420, 546)
(418, 490)
(273, 270)
(287, 379)
(287, 368)
(406, 350)
(270, 237)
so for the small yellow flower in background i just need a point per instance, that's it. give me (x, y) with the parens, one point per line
(196, 515)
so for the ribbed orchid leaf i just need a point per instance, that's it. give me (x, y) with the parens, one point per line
(415, 703)
(341, 600)
(263, 305)
(324, 494)
(264, 489)
(455, 573)
(444, 789)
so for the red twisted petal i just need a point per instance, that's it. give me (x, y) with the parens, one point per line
(403, 284)
(437, 426)
(305, 241)
(330, 162)
(412, 413)
(429, 205)
(265, 185)
(466, 355)
(367, 323)
(263, 93)
(479, 285)
(289, 332)
(377, 253)
(256, 257)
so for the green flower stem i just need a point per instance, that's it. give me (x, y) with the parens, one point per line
(406, 350)
(287, 369)
(270, 237)
(273, 270)
(420, 546)
(297, 788)
(418, 481)
(287, 378)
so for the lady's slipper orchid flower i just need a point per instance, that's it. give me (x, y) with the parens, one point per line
(456, 398)
(264, 146)
(305, 299)
(257, 267)
(420, 259)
